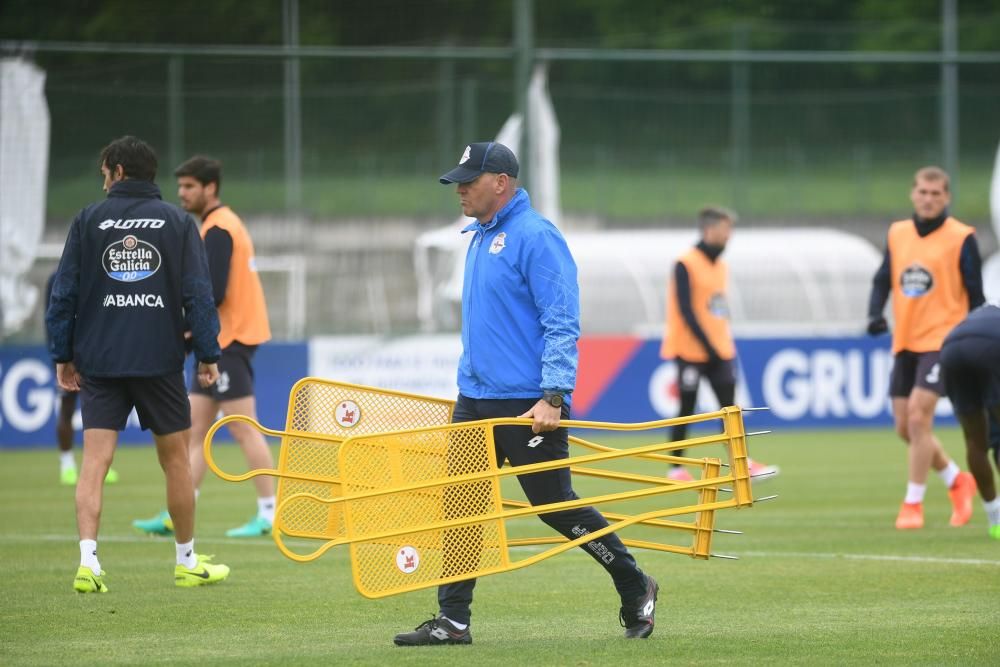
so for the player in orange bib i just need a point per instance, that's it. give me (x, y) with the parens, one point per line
(697, 334)
(933, 270)
(239, 298)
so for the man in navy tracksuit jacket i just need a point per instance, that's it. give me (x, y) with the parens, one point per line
(132, 277)
(520, 324)
(970, 362)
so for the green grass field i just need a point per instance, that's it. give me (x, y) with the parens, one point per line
(623, 196)
(823, 578)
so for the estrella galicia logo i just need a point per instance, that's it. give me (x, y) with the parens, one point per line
(915, 281)
(131, 260)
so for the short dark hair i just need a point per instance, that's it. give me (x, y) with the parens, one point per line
(203, 169)
(137, 158)
(713, 215)
(933, 174)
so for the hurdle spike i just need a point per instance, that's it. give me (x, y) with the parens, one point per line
(763, 475)
(758, 409)
(725, 490)
(727, 532)
(760, 500)
(758, 433)
(724, 557)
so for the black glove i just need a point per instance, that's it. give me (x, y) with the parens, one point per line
(877, 326)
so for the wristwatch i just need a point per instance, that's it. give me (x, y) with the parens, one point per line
(553, 398)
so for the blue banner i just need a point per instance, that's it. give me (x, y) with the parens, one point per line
(805, 382)
(29, 398)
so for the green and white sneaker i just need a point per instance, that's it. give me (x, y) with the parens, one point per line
(111, 477)
(205, 572)
(161, 524)
(88, 582)
(995, 532)
(255, 527)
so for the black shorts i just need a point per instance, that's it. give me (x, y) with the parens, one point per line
(719, 373)
(971, 368)
(235, 374)
(916, 369)
(161, 403)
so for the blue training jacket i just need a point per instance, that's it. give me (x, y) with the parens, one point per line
(520, 307)
(132, 277)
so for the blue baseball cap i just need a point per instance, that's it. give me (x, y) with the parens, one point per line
(485, 156)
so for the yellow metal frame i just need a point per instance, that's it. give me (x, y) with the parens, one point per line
(314, 505)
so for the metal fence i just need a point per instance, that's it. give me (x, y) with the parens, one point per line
(332, 156)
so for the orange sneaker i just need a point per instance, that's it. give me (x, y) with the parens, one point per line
(911, 515)
(961, 493)
(762, 471)
(680, 474)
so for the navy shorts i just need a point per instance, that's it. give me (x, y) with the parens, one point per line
(161, 403)
(235, 374)
(971, 368)
(916, 369)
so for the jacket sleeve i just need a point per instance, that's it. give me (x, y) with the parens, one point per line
(60, 316)
(552, 279)
(682, 287)
(971, 265)
(881, 284)
(196, 292)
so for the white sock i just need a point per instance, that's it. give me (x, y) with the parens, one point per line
(915, 493)
(265, 508)
(197, 492)
(185, 554)
(460, 626)
(993, 511)
(88, 556)
(949, 473)
(66, 461)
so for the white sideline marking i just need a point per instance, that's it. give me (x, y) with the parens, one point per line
(145, 539)
(894, 558)
(747, 554)
(833, 556)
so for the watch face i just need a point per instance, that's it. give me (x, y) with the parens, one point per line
(555, 400)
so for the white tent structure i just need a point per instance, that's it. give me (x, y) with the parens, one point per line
(782, 281)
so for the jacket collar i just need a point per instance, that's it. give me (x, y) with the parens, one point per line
(519, 202)
(134, 188)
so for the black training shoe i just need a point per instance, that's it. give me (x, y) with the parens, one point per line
(638, 618)
(434, 632)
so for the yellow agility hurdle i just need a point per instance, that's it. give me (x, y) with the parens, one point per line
(422, 506)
